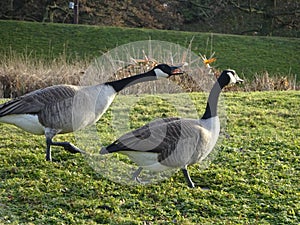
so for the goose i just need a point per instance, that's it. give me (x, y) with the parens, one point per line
(174, 142)
(63, 109)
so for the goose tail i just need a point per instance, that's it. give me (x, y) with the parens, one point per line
(103, 151)
(114, 147)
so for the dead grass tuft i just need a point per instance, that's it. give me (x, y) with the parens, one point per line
(21, 74)
(265, 82)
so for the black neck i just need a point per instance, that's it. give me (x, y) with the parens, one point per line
(213, 98)
(119, 85)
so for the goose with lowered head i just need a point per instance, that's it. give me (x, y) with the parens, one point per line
(175, 142)
(66, 108)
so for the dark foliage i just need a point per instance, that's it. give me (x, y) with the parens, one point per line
(277, 18)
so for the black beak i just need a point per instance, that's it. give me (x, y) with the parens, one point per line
(239, 80)
(176, 70)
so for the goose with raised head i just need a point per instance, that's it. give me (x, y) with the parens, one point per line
(66, 108)
(175, 142)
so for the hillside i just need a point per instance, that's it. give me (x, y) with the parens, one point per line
(49, 53)
(247, 54)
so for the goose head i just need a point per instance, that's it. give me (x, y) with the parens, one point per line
(165, 71)
(229, 76)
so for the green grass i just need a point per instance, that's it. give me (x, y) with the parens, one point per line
(253, 180)
(247, 54)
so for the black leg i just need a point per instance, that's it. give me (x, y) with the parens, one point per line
(187, 177)
(48, 149)
(66, 145)
(136, 174)
(69, 147)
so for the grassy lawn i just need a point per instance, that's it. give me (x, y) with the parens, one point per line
(247, 54)
(254, 179)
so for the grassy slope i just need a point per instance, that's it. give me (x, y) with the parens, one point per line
(253, 180)
(246, 54)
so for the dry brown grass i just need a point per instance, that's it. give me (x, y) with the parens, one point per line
(21, 74)
(265, 82)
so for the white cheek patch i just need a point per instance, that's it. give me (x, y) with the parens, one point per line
(232, 78)
(160, 74)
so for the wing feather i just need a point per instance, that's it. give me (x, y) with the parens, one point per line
(35, 101)
(176, 141)
(159, 136)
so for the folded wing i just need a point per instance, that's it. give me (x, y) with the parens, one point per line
(35, 101)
